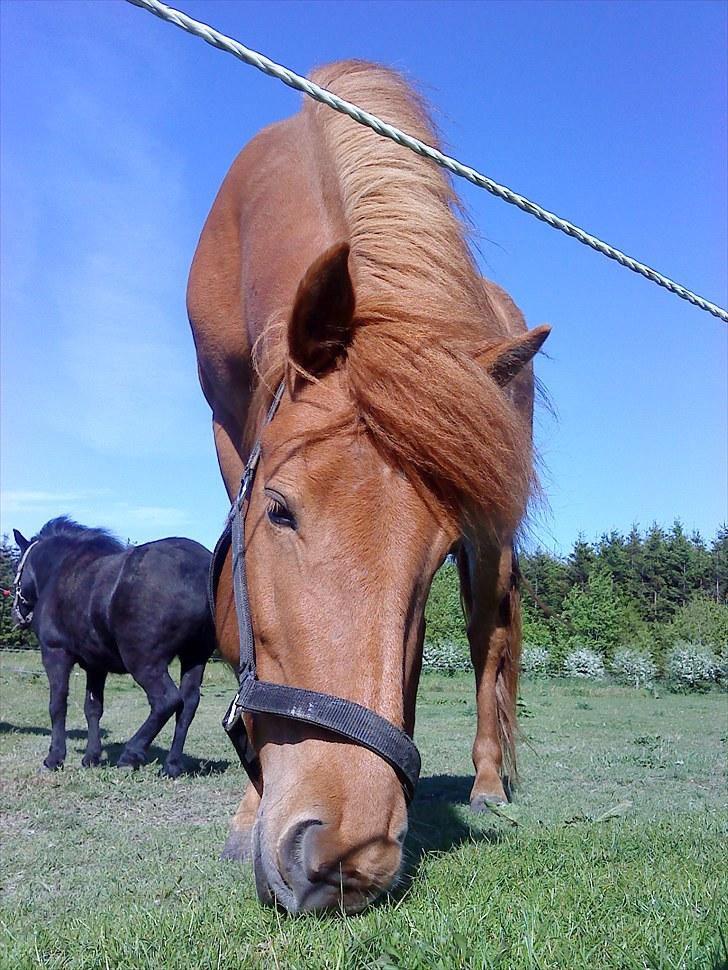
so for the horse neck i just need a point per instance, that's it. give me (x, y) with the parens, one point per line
(49, 559)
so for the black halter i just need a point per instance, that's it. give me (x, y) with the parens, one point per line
(344, 718)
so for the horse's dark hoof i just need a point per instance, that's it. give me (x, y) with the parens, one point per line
(130, 759)
(171, 770)
(238, 846)
(91, 761)
(50, 764)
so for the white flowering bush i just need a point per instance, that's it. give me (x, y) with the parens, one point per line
(691, 666)
(585, 663)
(534, 659)
(633, 667)
(721, 674)
(447, 656)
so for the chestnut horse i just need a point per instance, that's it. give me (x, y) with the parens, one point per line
(334, 260)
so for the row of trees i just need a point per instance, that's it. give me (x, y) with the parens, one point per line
(645, 590)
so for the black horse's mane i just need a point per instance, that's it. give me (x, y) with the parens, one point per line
(64, 527)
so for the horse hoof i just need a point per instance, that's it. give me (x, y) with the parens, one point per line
(45, 768)
(481, 803)
(129, 760)
(90, 762)
(238, 846)
(170, 771)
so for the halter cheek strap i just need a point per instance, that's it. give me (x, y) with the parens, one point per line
(18, 597)
(344, 718)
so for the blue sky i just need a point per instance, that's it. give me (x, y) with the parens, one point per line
(117, 130)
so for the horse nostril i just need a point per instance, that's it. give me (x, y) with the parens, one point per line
(290, 851)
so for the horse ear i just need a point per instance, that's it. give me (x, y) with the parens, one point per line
(20, 541)
(320, 328)
(505, 359)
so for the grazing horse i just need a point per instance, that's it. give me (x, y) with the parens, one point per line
(334, 261)
(122, 610)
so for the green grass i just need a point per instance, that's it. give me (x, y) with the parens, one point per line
(617, 860)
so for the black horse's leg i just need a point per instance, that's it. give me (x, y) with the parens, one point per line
(164, 699)
(189, 688)
(58, 663)
(93, 708)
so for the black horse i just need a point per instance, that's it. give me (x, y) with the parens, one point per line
(116, 609)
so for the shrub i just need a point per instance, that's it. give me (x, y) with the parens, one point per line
(535, 659)
(721, 672)
(583, 662)
(445, 656)
(633, 667)
(701, 620)
(691, 666)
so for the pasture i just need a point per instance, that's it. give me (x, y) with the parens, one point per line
(615, 860)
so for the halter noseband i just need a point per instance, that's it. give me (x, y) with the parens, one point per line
(18, 598)
(345, 718)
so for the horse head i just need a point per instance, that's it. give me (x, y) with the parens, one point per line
(346, 525)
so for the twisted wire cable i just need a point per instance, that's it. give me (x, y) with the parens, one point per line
(293, 80)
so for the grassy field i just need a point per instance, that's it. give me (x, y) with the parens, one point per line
(617, 859)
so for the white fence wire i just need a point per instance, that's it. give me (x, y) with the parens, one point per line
(293, 80)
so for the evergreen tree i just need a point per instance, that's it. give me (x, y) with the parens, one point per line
(655, 574)
(719, 570)
(594, 616)
(546, 581)
(581, 562)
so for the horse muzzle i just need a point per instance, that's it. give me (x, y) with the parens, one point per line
(310, 871)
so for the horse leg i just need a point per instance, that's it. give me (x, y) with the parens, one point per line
(491, 602)
(58, 663)
(189, 688)
(238, 845)
(93, 708)
(164, 700)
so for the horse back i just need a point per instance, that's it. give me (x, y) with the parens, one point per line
(115, 611)
(268, 223)
(160, 599)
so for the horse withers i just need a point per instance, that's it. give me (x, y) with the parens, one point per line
(116, 609)
(334, 261)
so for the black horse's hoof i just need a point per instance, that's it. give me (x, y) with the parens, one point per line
(171, 770)
(91, 761)
(238, 846)
(51, 765)
(130, 759)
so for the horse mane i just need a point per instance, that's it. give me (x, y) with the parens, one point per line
(423, 316)
(96, 540)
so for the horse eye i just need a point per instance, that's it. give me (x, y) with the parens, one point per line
(279, 515)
